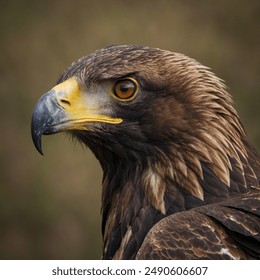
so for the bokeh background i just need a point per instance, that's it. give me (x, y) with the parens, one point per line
(50, 206)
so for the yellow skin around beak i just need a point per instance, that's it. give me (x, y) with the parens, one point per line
(68, 107)
(71, 99)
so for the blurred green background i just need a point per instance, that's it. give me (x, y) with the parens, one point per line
(50, 206)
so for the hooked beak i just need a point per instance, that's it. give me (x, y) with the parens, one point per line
(64, 108)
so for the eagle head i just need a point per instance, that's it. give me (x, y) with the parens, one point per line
(146, 105)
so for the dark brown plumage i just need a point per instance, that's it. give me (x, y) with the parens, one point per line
(181, 180)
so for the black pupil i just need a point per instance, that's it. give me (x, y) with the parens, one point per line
(124, 88)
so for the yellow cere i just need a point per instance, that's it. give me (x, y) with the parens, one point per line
(71, 99)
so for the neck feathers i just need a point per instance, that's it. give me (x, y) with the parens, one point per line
(136, 196)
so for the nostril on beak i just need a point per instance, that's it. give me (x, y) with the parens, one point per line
(65, 102)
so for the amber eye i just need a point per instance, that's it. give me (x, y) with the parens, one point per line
(125, 89)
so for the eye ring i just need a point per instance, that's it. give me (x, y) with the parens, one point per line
(125, 89)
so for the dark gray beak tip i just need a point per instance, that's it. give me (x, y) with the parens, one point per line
(36, 132)
(37, 142)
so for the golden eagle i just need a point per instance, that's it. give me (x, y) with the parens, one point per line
(181, 180)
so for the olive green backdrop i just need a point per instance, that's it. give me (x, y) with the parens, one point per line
(50, 206)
